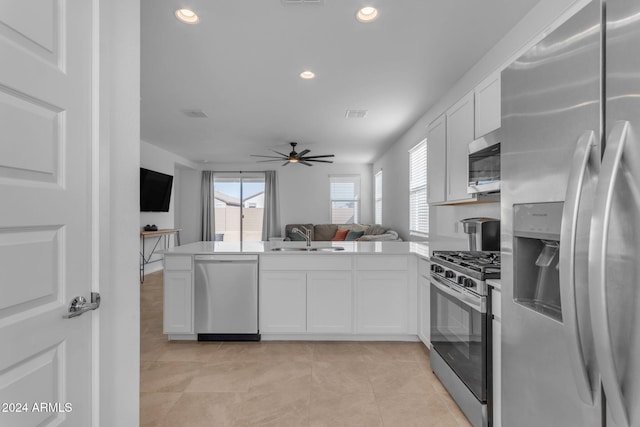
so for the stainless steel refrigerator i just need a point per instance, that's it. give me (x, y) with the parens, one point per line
(571, 224)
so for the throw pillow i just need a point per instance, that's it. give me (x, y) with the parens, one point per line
(353, 235)
(295, 237)
(340, 235)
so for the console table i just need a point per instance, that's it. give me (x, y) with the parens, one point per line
(160, 235)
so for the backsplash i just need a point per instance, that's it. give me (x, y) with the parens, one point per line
(445, 229)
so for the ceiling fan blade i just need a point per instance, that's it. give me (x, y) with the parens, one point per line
(314, 160)
(285, 163)
(302, 162)
(272, 160)
(303, 152)
(271, 157)
(282, 154)
(315, 157)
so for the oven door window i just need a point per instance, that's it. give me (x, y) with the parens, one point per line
(459, 335)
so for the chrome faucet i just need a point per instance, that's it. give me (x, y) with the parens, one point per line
(306, 234)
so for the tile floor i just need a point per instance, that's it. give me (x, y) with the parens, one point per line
(283, 384)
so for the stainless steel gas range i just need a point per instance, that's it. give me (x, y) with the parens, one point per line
(460, 332)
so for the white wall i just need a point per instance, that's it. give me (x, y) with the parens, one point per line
(394, 163)
(159, 160)
(187, 216)
(303, 192)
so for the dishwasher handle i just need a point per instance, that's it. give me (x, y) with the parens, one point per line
(227, 258)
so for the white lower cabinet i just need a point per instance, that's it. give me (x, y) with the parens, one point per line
(283, 301)
(496, 326)
(382, 302)
(178, 302)
(299, 301)
(424, 310)
(329, 302)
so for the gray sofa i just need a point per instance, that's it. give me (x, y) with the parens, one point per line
(325, 232)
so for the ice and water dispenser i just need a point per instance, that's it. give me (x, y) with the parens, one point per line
(536, 259)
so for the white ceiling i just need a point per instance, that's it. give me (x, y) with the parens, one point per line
(240, 65)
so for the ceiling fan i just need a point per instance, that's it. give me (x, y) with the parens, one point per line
(294, 157)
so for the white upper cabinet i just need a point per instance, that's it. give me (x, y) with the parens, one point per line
(460, 132)
(436, 160)
(487, 105)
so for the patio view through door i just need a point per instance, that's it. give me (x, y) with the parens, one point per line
(239, 206)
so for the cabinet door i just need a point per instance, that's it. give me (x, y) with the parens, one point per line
(487, 106)
(460, 131)
(436, 160)
(178, 302)
(329, 302)
(283, 301)
(424, 311)
(382, 302)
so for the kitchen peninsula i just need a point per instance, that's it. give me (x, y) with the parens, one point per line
(326, 291)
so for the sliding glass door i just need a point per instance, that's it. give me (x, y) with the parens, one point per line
(239, 206)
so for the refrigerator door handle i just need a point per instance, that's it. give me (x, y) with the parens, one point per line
(568, 235)
(598, 271)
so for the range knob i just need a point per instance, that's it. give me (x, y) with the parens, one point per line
(469, 283)
(438, 268)
(449, 274)
(461, 280)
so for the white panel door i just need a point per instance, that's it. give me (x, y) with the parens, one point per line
(329, 302)
(283, 301)
(46, 236)
(437, 160)
(382, 302)
(178, 302)
(487, 106)
(460, 132)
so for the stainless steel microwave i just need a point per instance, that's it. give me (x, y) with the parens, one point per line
(484, 164)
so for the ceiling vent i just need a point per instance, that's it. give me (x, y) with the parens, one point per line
(356, 114)
(302, 2)
(195, 114)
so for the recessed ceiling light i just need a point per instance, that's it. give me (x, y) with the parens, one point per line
(367, 14)
(187, 16)
(307, 75)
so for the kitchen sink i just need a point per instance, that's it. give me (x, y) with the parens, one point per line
(327, 249)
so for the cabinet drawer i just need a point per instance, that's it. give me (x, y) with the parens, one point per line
(177, 262)
(382, 262)
(305, 262)
(496, 303)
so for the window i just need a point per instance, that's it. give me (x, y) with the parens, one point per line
(378, 197)
(418, 207)
(345, 198)
(239, 205)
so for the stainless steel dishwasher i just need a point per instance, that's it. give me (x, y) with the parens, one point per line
(226, 298)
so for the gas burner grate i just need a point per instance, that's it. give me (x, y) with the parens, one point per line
(485, 262)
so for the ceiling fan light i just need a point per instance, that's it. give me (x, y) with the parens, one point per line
(293, 160)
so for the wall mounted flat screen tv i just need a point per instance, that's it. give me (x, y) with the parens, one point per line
(155, 191)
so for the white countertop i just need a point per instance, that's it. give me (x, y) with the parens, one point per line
(385, 248)
(494, 283)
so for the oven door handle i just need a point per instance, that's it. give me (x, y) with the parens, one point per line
(475, 303)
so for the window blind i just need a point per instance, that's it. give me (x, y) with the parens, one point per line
(345, 198)
(418, 206)
(378, 197)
